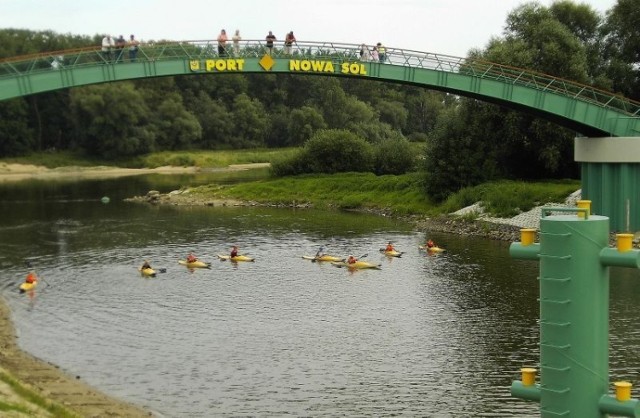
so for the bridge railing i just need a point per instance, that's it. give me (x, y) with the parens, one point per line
(208, 49)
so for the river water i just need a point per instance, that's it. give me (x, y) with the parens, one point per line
(428, 336)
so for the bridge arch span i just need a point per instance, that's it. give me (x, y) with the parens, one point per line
(591, 112)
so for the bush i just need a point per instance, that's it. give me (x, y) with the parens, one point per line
(394, 156)
(328, 151)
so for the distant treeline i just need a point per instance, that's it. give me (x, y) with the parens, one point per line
(466, 141)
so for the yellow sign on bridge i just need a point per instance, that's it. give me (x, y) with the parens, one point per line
(295, 65)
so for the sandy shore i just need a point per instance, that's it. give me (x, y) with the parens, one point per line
(51, 382)
(19, 172)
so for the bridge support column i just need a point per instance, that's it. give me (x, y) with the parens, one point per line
(611, 178)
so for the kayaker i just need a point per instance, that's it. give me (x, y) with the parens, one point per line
(352, 260)
(234, 251)
(191, 258)
(431, 244)
(145, 265)
(389, 247)
(31, 278)
(320, 252)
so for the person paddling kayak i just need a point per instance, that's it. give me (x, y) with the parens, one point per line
(234, 251)
(31, 278)
(191, 258)
(145, 265)
(431, 244)
(389, 247)
(352, 260)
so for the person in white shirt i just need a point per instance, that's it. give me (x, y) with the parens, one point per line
(107, 47)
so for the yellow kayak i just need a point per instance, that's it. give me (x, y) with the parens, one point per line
(148, 272)
(392, 253)
(431, 249)
(322, 258)
(28, 286)
(357, 265)
(195, 264)
(236, 258)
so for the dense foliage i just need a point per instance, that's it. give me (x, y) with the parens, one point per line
(340, 123)
(479, 142)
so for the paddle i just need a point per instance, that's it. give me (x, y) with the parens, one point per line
(320, 250)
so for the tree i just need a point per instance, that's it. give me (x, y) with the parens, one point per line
(303, 123)
(215, 120)
(111, 120)
(622, 47)
(393, 113)
(16, 137)
(454, 159)
(176, 128)
(250, 120)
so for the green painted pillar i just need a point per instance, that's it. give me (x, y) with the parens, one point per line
(574, 315)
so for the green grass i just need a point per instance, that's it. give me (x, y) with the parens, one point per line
(57, 159)
(402, 195)
(31, 397)
(508, 198)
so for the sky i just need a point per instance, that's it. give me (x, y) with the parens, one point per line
(450, 27)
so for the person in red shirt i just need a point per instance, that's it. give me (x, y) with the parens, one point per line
(431, 244)
(31, 278)
(191, 258)
(352, 260)
(390, 247)
(234, 251)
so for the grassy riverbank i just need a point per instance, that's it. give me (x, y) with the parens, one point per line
(393, 195)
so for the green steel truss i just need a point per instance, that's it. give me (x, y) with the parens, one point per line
(589, 111)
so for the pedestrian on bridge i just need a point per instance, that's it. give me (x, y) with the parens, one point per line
(271, 38)
(222, 43)
(365, 55)
(120, 44)
(133, 48)
(382, 52)
(236, 42)
(107, 47)
(289, 39)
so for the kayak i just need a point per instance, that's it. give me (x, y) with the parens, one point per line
(27, 286)
(236, 258)
(322, 258)
(392, 253)
(195, 264)
(148, 272)
(356, 265)
(432, 249)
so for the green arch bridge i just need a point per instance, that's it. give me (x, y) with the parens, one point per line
(608, 125)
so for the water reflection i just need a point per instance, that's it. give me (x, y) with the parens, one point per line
(439, 335)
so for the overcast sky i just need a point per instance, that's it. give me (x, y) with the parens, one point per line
(451, 27)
